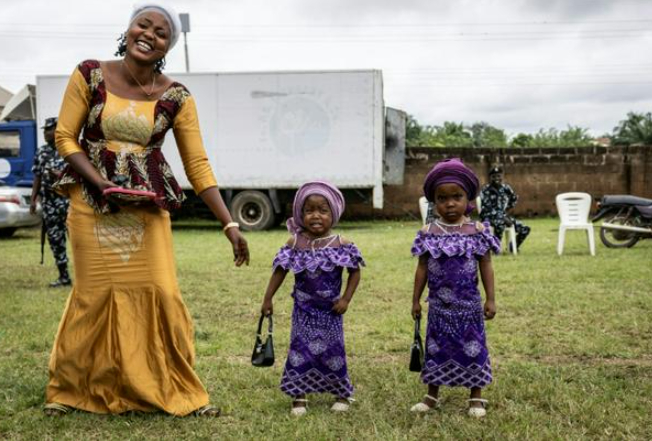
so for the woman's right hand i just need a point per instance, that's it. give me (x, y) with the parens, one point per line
(82, 165)
(416, 310)
(104, 184)
(267, 308)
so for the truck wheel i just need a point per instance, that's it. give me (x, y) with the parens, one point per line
(252, 210)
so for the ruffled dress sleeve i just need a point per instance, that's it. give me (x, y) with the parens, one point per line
(325, 259)
(456, 244)
(487, 241)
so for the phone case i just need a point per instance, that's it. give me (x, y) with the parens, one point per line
(127, 195)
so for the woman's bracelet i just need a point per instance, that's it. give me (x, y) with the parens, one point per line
(230, 225)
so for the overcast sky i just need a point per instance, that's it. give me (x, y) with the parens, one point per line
(517, 64)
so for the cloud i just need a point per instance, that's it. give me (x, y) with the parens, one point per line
(519, 64)
(364, 11)
(569, 10)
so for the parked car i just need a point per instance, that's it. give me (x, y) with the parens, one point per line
(14, 210)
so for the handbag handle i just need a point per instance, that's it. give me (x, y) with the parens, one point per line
(417, 326)
(270, 327)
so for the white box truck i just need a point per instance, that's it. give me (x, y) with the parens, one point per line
(266, 133)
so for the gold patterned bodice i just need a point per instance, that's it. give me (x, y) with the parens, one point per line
(123, 139)
(127, 124)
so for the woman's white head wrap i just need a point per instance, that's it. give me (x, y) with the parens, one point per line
(166, 11)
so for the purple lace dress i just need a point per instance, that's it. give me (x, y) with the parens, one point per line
(456, 348)
(317, 360)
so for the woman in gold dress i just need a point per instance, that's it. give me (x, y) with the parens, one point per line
(125, 341)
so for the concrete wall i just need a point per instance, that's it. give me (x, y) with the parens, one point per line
(537, 175)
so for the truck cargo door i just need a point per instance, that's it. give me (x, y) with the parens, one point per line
(394, 155)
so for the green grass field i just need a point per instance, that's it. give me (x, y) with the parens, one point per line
(571, 345)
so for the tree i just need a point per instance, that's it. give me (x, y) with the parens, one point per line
(486, 135)
(522, 140)
(546, 138)
(575, 137)
(413, 131)
(417, 135)
(636, 129)
(483, 134)
(452, 134)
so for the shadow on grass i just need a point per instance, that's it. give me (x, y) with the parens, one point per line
(204, 224)
(22, 233)
(196, 226)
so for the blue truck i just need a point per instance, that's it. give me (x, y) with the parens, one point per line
(18, 141)
(17, 148)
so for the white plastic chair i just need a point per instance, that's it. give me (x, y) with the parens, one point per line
(423, 208)
(573, 209)
(510, 231)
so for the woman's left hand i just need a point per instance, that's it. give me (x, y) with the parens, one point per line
(240, 247)
(489, 309)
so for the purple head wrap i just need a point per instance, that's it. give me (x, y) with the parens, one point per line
(452, 171)
(321, 188)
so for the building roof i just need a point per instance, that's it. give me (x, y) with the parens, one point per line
(5, 96)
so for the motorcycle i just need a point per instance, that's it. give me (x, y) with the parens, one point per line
(627, 219)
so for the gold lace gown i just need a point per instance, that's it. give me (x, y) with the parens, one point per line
(125, 341)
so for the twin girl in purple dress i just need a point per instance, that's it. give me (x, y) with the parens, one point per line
(450, 251)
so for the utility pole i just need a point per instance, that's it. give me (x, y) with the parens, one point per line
(185, 28)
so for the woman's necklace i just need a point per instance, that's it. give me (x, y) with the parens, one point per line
(151, 90)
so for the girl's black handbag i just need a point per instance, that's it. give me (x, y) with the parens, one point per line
(263, 354)
(416, 351)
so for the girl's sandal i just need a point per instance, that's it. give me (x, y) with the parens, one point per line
(207, 411)
(478, 412)
(341, 406)
(423, 407)
(299, 410)
(56, 409)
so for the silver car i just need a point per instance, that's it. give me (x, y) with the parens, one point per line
(14, 210)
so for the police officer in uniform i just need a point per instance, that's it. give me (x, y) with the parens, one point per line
(47, 168)
(497, 199)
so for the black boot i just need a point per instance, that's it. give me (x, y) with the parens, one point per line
(64, 278)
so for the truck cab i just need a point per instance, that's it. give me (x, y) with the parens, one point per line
(17, 150)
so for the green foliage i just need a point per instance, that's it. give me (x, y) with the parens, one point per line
(413, 132)
(575, 136)
(451, 134)
(570, 345)
(636, 129)
(521, 140)
(482, 134)
(571, 137)
(486, 135)
(545, 138)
